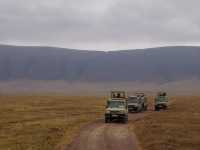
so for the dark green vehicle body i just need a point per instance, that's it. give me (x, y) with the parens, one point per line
(161, 101)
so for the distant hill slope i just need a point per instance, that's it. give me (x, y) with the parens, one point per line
(48, 63)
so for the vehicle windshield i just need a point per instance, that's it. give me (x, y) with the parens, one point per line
(132, 100)
(116, 104)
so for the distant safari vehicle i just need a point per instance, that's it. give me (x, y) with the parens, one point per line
(161, 101)
(134, 105)
(143, 98)
(137, 103)
(116, 107)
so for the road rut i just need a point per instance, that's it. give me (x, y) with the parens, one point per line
(112, 136)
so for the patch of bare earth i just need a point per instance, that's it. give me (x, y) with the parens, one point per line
(102, 136)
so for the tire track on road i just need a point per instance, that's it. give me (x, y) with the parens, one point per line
(112, 136)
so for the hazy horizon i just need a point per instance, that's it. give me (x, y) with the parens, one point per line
(103, 50)
(182, 87)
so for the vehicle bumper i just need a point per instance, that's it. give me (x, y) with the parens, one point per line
(115, 115)
(161, 105)
(132, 108)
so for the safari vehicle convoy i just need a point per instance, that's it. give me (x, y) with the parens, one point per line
(117, 107)
(161, 101)
(137, 103)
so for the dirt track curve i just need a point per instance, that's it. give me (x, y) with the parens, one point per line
(112, 136)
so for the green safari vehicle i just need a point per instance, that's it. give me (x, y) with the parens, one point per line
(161, 101)
(116, 107)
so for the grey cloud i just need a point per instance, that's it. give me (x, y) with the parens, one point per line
(105, 24)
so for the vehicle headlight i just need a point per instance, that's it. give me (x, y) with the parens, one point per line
(122, 111)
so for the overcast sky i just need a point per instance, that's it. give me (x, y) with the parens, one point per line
(100, 24)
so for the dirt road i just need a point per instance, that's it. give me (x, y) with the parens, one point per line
(112, 136)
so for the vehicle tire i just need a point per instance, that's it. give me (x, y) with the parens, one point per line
(142, 107)
(125, 120)
(156, 108)
(107, 120)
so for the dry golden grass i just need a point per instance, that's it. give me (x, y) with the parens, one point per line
(44, 122)
(49, 122)
(175, 129)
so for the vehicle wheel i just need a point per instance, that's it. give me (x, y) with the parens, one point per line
(156, 108)
(107, 120)
(164, 107)
(143, 107)
(125, 120)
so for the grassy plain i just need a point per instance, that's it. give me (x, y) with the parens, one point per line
(175, 129)
(44, 122)
(50, 122)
